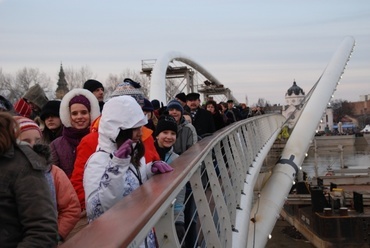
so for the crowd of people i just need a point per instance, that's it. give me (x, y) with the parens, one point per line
(63, 163)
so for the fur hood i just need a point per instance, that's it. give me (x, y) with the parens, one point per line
(64, 111)
(121, 112)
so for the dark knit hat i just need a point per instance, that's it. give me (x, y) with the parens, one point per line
(192, 96)
(147, 106)
(156, 104)
(51, 108)
(181, 96)
(166, 122)
(92, 85)
(82, 100)
(23, 108)
(130, 87)
(174, 104)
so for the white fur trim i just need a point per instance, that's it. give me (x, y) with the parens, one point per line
(65, 113)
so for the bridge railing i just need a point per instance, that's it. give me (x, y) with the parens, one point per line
(221, 169)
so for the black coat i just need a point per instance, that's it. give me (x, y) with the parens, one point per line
(203, 122)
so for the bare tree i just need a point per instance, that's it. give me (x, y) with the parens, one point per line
(6, 85)
(341, 108)
(76, 78)
(113, 80)
(18, 84)
(111, 83)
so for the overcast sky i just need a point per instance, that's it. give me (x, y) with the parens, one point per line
(255, 48)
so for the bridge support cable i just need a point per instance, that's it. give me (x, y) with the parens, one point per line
(277, 188)
(244, 213)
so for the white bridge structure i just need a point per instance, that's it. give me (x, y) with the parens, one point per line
(236, 206)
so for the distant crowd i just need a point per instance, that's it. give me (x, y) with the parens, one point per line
(63, 163)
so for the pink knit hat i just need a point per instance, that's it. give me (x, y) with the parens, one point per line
(23, 108)
(26, 124)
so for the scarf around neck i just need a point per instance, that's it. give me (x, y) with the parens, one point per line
(161, 151)
(73, 135)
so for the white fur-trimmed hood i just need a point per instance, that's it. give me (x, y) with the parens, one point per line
(119, 113)
(64, 111)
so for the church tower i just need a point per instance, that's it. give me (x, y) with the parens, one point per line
(62, 88)
(293, 97)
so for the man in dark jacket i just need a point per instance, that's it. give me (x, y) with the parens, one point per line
(202, 119)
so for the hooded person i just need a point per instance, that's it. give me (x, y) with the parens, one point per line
(97, 88)
(78, 109)
(89, 143)
(36, 98)
(118, 166)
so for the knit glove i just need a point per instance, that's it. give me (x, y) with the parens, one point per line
(161, 167)
(124, 150)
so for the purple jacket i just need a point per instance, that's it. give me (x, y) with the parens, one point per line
(63, 154)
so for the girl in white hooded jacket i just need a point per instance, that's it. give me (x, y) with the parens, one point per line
(118, 166)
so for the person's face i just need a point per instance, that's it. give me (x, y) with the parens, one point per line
(53, 122)
(230, 105)
(80, 116)
(211, 108)
(166, 138)
(31, 136)
(136, 134)
(99, 94)
(175, 114)
(193, 104)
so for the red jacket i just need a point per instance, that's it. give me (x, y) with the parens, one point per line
(88, 146)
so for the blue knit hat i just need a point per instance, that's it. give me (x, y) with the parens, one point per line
(174, 104)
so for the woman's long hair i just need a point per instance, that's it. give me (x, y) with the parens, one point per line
(138, 151)
(48, 135)
(9, 131)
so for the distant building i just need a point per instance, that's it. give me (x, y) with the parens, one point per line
(365, 98)
(293, 97)
(62, 88)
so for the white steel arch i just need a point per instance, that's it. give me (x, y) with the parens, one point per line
(158, 77)
(272, 198)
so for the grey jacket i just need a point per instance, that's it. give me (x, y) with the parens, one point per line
(186, 136)
(27, 214)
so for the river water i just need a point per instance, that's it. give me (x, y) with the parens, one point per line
(331, 157)
(357, 156)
